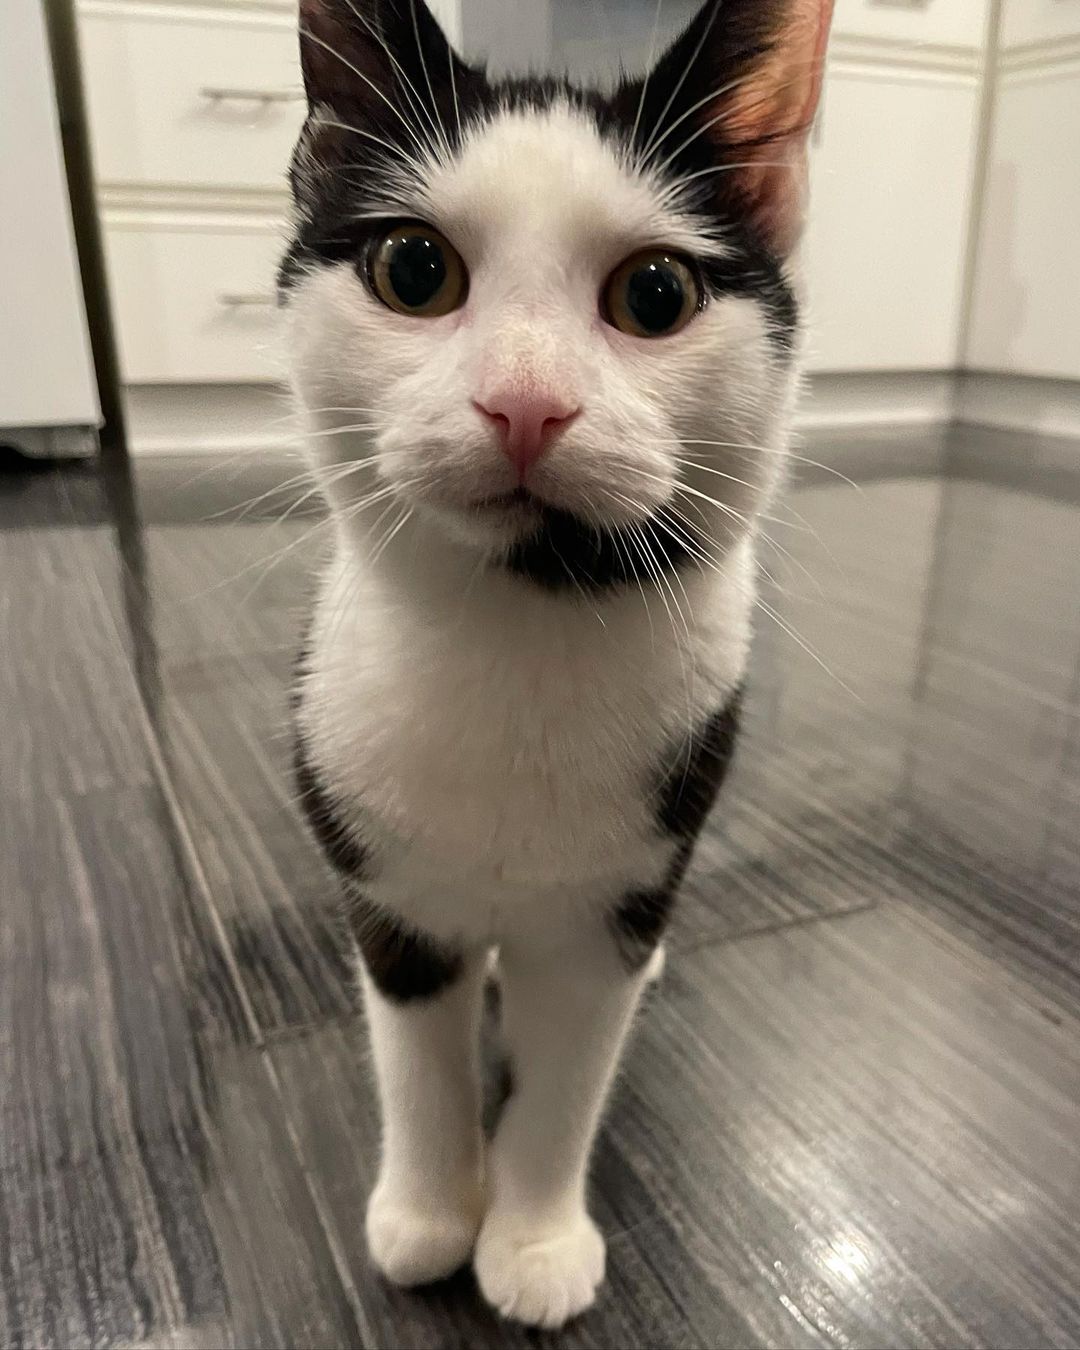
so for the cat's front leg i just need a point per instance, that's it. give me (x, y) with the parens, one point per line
(423, 1004)
(566, 1011)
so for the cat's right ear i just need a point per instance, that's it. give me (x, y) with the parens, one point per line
(338, 51)
(375, 60)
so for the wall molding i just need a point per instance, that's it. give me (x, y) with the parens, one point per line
(851, 50)
(209, 419)
(1040, 55)
(1019, 403)
(866, 399)
(237, 419)
(242, 13)
(135, 205)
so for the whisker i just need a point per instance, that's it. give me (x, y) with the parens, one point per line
(710, 97)
(796, 637)
(648, 72)
(396, 150)
(427, 78)
(765, 450)
(659, 123)
(413, 131)
(411, 91)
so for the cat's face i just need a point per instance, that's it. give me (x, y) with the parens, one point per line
(543, 308)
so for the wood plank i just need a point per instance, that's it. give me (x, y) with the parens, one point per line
(147, 1179)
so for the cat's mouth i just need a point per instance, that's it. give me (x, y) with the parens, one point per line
(517, 502)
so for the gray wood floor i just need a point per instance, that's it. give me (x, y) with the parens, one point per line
(851, 1112)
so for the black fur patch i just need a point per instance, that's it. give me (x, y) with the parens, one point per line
(567, 553)
(639, 920)
(325, 816)
(404, 963)
(687, 793)
(690, 786)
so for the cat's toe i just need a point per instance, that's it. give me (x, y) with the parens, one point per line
(415, 1245)
(542, 1278)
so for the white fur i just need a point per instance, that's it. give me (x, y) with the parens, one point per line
(497, 743)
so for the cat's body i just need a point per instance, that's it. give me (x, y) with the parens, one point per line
(520, 691)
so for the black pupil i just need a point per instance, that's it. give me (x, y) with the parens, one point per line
(417, 269)
(655, 296)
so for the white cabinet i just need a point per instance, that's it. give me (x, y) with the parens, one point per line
(193, 111)
(176, 96)
(1026, 302)
(195, 303)
(1026, 313)
(885, 250)
(951, 23)
(46, 372)
(1031, 21)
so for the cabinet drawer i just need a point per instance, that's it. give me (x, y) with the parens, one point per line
(1028, 21)
(884, 251)
(195, 304)
(198, 101)
(950, 23)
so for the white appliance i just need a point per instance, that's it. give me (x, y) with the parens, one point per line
(48, 392)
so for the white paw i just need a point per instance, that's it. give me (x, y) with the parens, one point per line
(655, 968)
(415, 1244)
(541, 1277)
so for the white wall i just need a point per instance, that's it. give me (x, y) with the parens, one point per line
(46, 375)
(1025, 317)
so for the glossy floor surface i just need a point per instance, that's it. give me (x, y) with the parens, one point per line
(850, 1114)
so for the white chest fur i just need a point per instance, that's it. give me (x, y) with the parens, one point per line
(497, 738)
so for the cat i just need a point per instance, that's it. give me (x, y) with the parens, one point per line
(545, 342)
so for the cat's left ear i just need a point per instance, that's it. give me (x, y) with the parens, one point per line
(746, 76)
(381, 61)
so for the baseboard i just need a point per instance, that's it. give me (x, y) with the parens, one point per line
(222, 419)
(877, 399)
(208, 419)
(1019, 403)
(234, 419)
(59, 442)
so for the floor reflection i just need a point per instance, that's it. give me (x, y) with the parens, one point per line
(849, 1115)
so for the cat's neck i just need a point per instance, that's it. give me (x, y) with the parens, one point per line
(449, 585)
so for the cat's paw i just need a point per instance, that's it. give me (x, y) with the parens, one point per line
(657, 961)
(415, 1244)
(540, 1277)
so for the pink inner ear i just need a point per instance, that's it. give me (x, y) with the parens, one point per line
(780, 96)
(776, 104)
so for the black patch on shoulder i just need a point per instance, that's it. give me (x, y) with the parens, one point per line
(640, 918)
(567, 553)
(688, 789)
(638, 923)
(404, 963)
(687, 792)
(325, 815)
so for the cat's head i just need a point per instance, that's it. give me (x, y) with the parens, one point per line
(558, 320)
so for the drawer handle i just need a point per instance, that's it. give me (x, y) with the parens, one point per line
(222, 94)
(246, 299)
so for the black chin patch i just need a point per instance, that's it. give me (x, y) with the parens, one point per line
(568, 553)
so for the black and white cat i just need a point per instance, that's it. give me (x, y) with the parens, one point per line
(545, 344)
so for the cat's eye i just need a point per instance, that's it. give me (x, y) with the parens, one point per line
(414, 270)
(652, 294)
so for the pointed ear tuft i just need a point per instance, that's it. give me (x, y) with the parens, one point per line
(365, 58)
(338, 52)
(765, 121)
(746, 77)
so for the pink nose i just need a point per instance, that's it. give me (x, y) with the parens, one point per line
(525, 423)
